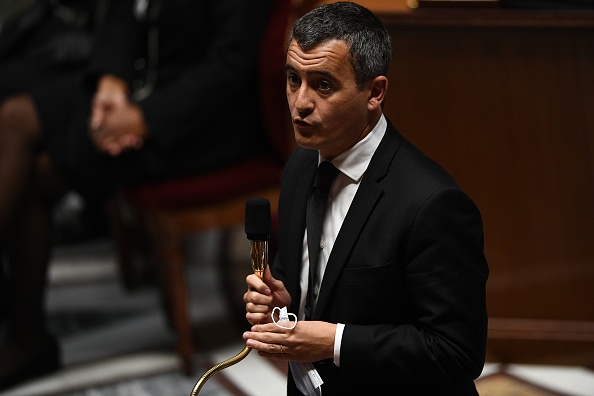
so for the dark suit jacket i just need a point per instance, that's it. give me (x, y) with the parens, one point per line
(406, 275)
(203, 62)
(199, 58)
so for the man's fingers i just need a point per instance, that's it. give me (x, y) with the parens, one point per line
(256, 284)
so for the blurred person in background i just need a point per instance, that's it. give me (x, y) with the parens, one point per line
(168, 88)
(41, 42)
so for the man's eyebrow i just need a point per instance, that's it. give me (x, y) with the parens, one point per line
(324, 73)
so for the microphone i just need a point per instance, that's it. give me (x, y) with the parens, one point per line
(258, 227)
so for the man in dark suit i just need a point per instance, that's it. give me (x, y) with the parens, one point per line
(398, 302)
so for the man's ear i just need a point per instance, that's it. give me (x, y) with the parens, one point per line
(378, 87)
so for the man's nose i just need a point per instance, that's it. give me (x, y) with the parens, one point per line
(303, 100)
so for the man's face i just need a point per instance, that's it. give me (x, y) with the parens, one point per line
(328, 111)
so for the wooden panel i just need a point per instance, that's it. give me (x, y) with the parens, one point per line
(509, 111)
(379, 6)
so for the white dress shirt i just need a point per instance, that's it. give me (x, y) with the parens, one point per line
(352, 165)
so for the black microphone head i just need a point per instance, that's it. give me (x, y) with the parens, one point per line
(258, 225)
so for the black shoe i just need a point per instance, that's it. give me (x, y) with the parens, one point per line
(18, 365)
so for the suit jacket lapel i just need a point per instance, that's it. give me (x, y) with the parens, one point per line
(296, 227)
(363, 203)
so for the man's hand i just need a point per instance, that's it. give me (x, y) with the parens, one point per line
(116, 124)
(263, 295)
(124, 129)
(309, 341)
(111, 93)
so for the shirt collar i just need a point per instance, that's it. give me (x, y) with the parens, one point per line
(354, 161)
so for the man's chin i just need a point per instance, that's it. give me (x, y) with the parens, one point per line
(307, 142)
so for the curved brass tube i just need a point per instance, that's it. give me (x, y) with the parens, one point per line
(223, 365)
(259, 256)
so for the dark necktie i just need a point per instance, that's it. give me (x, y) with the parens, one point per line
(314, 220)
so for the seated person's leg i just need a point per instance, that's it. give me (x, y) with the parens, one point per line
(20, 136)
(28, 350)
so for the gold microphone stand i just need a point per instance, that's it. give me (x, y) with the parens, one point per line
(259, 258)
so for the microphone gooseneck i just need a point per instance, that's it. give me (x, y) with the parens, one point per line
(258, 227)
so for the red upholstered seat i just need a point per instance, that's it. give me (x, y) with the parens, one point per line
(191, 191)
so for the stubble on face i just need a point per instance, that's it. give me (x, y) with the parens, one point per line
(328, 110)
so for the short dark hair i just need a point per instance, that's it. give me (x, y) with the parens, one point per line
(370, 46)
